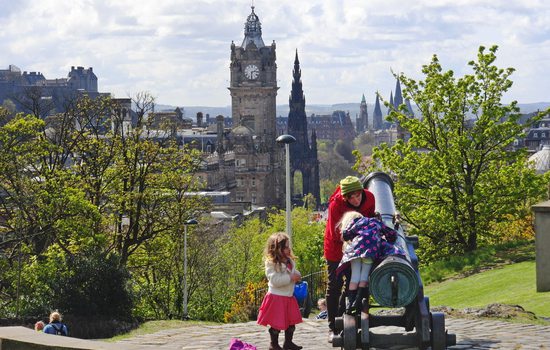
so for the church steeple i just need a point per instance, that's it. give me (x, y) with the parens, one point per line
(297, 122)
(362, 121)
(297, 93)
(302, 156)
(253, 31)
(377, 115)
(398, 98)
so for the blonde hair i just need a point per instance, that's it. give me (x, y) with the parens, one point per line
(55, 316)
(347, 219)
(274, 247)
(39, 326)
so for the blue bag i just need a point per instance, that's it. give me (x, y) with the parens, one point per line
(300, 291)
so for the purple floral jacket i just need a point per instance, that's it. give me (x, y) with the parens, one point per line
(369, 238)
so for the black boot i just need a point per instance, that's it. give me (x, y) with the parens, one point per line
(362, 300)
(351, 295)
(274, 336)
(289, 345)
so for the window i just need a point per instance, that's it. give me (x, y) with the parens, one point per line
(536, 134)
(253, 181)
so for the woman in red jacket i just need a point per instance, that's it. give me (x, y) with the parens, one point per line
(349, 195)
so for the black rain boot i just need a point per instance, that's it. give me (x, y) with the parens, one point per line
(289, 345)
(351, 295)
(274, 336)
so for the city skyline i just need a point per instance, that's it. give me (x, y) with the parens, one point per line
(179, 51)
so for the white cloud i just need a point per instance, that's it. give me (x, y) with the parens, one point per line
(179, 50)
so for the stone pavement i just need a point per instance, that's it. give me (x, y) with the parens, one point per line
(312, 334)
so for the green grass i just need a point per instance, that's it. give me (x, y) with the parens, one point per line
(513, 284)
(156, 326)
(480, 260)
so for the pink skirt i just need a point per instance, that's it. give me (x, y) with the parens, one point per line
(279, 312)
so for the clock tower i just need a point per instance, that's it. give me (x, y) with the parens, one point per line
(253, 89)
(254, 82)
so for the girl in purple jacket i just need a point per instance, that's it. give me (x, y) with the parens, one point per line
(367, 241)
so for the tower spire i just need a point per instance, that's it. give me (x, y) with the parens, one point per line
(253, 30)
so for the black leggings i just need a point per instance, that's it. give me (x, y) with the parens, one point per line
(336, 301)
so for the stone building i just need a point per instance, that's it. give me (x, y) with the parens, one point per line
(333, 127)
(537, 136)
(362, 121)
(171, 120)
(253, 88)
(377, 119)
(303, 157)
(22, 87)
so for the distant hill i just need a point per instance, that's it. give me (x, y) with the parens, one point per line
(352, 108)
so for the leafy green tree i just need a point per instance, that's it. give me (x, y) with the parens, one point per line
(457, 173)
(344, 149)
(332, 166)
(79, 183)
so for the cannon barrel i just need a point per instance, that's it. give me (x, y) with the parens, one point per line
(394, 282)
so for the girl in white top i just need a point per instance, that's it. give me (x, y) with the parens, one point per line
(279, 309)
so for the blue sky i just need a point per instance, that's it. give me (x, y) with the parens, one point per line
(179, 50)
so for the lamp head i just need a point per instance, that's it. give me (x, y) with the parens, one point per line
(191, 222)
(286, 139)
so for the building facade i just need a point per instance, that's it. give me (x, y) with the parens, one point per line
(47, 96)
(253, 89)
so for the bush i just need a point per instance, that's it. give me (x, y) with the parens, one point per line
(246, 303)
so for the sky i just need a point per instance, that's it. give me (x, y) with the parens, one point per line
(179, 50)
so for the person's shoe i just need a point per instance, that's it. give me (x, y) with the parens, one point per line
(330, 336)
(350, 305)
(288, 344)
(274, 336)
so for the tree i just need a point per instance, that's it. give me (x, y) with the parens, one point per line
(458, 174)
(344, 149)
(78, 183)
(35, 100)
(332, 166)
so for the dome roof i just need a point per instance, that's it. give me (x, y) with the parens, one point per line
(242, 130)
(253, 31)
(541, 160)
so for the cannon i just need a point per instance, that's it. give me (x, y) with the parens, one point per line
(394, 283)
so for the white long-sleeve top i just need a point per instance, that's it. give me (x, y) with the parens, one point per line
(278, 277)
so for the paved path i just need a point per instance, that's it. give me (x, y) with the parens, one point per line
(312, 334)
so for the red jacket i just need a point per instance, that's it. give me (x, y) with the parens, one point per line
(337, 206)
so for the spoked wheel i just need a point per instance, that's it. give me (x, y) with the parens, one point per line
(350, 332)
(438, 334)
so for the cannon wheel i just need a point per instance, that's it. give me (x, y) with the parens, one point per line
(438, 334)
(365, 331)
(350, 332)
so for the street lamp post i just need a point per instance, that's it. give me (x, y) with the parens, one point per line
(188, 222)
(287, 140)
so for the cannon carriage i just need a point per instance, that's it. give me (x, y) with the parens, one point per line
(394, 283)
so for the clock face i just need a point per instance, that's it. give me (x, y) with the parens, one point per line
(251, 71)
